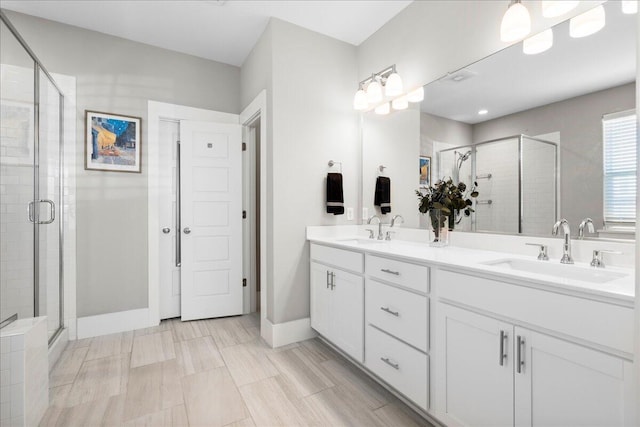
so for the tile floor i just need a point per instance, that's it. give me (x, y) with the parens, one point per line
(214, 372)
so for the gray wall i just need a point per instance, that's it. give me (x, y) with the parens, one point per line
(312, 79)
(579, 121)
(120, 76)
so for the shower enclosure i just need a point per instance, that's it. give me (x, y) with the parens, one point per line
(31, 141)
(517, 180)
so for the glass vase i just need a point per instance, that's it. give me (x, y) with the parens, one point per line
(440, 227)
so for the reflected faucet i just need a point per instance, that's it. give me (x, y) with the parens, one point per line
(566, 247)
(379, 225)
(587, 222)
(397, 218)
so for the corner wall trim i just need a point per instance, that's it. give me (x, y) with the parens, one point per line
(286, 333)
(111, 323)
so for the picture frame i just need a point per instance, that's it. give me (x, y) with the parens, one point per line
(112, 142)
(425, 171)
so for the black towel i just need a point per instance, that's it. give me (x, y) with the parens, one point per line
(335, 198)
(383, 194)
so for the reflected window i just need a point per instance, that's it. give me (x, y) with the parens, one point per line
(620, 151)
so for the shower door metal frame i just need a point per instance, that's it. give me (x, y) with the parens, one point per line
(37, 69)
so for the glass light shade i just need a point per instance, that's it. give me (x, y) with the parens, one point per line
(416, 95)
(400, 103)
(393, 87)
(374, 92)
(538, 43)
(629, 6)
(516, 23)
(553, 8)
(360, 101)
(383, 108)
(587, 23)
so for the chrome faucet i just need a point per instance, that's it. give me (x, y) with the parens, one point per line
(587, 222)
(566, 247)
(379, 225)
(397, 218)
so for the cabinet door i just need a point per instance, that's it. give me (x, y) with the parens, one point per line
(347, 314)
(320, 298)
(561, 383)
(478, 380)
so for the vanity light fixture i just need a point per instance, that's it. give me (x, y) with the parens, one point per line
(516, 22)
(483, 112)
(383, 108)
(393, 86)
(538, 43)
(416, 95)
(400, 103)
(553, 8)
(360, 100)
(374, 91)
(629, 7)
(590, 22)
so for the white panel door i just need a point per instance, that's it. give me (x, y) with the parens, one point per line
(211, 200)
(169, 268)
(564, 384)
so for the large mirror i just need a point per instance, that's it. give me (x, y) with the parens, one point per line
(527, 128)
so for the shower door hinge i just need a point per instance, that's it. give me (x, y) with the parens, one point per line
(244, 146)
(244, 283)
(244, 214)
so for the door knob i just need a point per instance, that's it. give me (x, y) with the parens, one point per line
(166, 230)
(187, 230)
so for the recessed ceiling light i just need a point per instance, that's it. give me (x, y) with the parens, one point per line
(483, 112)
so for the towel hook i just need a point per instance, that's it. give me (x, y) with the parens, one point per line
(333, 163)
(381, 168)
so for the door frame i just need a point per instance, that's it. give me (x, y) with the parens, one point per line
(156, 112)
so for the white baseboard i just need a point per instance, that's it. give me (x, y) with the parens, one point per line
(111, 323)
(282, 334)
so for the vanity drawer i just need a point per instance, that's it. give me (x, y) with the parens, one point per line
(401, 313)
(411, 276)
(401, 366)
(347, 260)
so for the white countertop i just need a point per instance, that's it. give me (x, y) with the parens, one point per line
(619, 290)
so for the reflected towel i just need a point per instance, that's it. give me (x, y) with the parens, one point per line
(335, 197)
(382, 197)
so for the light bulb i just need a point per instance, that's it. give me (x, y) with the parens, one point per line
(400, 103)
(516, 23)
(360, 100)
(587, 23)
(483, 112)
(629, 6)
(393, 87)
(383, 108)
(416, 95)
(538, 43)
(553, 8)
(374, 92)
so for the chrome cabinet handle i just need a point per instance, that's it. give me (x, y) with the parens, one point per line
(187, 230)
(328, 275)
(333, 280)
(386, 270)
(520, 361)
(166, 230)
(503, 354)
(388, 310)
(390, 363)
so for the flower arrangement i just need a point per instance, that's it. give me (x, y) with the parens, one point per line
(448, 200)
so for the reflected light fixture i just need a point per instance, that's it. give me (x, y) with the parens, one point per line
(360, 100)
(629, 6)
(400, 103)
(416, 95)
(383, 108)
(516, 22)
(538, 43)
(553, 8)
(393, 85)
(483, 112)
(587, 23)
(374, 91)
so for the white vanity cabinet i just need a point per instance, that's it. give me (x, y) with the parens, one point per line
(337, 298)
(498, 372)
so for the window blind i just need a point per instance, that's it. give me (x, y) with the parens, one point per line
(620, 146)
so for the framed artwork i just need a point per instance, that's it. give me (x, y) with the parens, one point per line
(112, 142)
(425, 171)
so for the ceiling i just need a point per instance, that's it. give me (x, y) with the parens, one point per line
(223, 31)
(510, 81)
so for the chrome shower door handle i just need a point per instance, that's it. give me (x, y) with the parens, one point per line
(30, 212)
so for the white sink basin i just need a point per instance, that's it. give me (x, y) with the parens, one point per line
(362, 241)
(564, 271)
